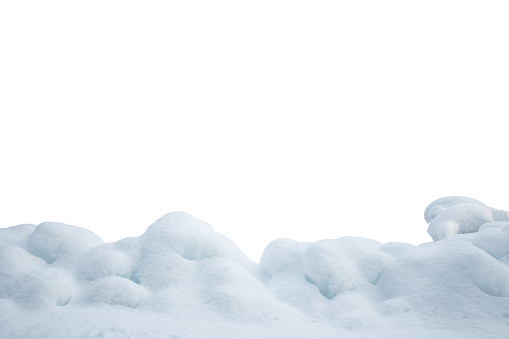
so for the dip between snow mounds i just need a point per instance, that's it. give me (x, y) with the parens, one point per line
(183, 280)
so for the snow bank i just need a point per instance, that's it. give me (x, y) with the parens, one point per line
(456, 215)
(183, 280)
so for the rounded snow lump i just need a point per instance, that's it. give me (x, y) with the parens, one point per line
(15, 261)
(190, 238)
(281, 255)
(455, 215)
(46, 286)
(115, 290)
(50, 240)
(105, 260)
(16, 235)
(342, 264)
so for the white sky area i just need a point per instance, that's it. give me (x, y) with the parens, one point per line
(267, 119)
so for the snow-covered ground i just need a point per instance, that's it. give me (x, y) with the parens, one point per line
(183, 280)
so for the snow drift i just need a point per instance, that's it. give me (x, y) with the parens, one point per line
(183, 280)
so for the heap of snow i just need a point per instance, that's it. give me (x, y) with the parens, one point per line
(457, 215)
(183, 280)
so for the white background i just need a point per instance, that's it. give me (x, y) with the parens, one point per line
(267, 119)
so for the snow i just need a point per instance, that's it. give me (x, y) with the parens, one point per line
(181, 279)
(52, 240)
(114, 290)
(455, 215)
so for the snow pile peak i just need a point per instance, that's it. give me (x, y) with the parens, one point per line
(457, 215)
(181, 279)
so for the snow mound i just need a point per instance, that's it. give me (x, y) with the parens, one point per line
(174, 246)
(115, 290)
(180, 279)
(342, 264)
(457, 215)
(44, 288)
(52, 240)
(105, 260)
(16, 235)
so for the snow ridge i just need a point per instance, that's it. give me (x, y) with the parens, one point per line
(180, 279)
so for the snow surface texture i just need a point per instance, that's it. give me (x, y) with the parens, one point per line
(183, 280)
